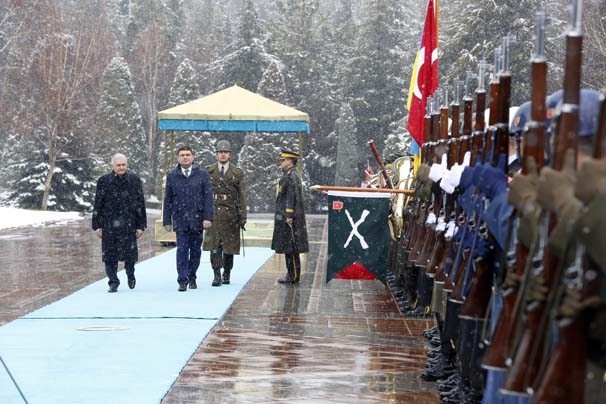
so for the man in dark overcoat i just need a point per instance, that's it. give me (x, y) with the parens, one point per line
(119, 219)
(290, 229)
(223, 238)
(188, 210)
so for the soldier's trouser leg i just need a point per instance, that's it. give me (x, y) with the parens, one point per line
(111, 270)
(228, 264)
(290, 269)
(129, 267)
(216, 258)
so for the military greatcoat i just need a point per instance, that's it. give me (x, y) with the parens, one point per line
(229, 204)
(289, 204)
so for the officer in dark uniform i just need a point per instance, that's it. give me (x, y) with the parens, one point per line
(223, 238)
(290, 229)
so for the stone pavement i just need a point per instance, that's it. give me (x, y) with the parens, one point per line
(341, 342)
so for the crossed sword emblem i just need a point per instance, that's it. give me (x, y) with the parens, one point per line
(354, 229)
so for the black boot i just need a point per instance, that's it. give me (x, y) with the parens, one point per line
(290, 274)
(226, 273)
(217, 280)
(287, 279)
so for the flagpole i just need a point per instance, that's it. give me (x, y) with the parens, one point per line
(324, 188)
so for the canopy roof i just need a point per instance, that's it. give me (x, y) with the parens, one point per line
(234, 110)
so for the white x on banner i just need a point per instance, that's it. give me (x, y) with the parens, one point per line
(354, 229)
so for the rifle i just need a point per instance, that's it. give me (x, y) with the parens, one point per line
(525, 365)
(493, 116)
(439, 148)
(496, 354)
(467, 116)
(445, 270)
(566, 365)
(479, 287)
(417, 242)
(478, 129)
(438, 250)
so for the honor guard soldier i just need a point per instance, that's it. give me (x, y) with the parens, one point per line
(290, 230)
(229, 204)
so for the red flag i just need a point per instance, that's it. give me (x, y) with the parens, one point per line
(424, 80)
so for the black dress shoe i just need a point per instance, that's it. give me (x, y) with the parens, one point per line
(132, 282)
(112, 289)
(182, 287)
(193, 284)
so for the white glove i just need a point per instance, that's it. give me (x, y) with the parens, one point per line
(431, 218)
(441, 226)
(451, 230)
(437, 171)
(445, 184)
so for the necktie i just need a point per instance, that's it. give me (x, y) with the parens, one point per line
(222, 170)
(187, 173)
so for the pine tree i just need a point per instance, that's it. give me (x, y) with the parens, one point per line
(184, 89)
(119, 119)
(486, 23)
(348, 150)
(376, 85)
(246, 60)
(27, 168)
(258, 161)
(258, 155)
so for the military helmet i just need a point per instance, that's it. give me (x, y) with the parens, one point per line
(520, 119)
(223, 146)
(589, 110)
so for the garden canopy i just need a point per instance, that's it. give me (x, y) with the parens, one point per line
(234, 109)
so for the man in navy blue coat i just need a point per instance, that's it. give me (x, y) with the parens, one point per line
(188, 210)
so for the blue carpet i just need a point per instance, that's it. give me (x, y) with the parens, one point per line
(125, 347)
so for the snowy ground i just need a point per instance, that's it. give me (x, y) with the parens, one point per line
(13, 217)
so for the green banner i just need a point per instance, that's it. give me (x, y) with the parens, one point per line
(358, 235)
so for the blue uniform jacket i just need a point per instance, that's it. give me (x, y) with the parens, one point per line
(187, 200)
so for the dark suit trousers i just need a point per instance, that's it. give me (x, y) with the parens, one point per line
(189, 245)
(111, 270)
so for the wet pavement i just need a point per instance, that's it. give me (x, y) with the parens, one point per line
(40, 265)
(341, 342)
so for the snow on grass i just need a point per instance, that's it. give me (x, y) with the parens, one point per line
(13, 217)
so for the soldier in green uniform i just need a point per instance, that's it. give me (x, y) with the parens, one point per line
(229, 205)
(290, 229)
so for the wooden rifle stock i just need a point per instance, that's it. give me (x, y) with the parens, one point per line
(467, 118)
(478, 129)
(526, 364)
(493, 116)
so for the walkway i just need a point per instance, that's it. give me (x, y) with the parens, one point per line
(341, 342)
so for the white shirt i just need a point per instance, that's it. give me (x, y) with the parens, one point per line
(186, 171)
(226, 165)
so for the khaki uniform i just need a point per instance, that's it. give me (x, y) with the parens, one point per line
(229, 208)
